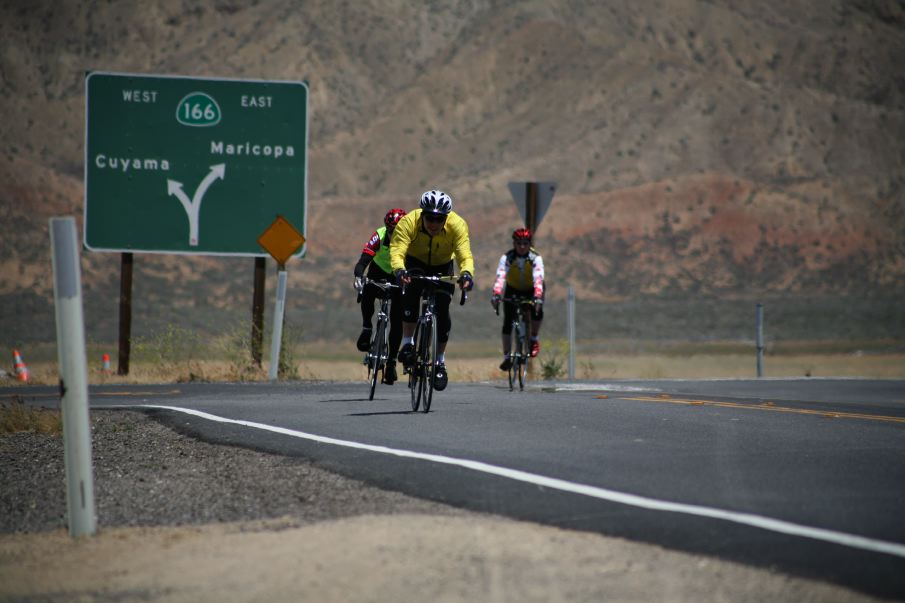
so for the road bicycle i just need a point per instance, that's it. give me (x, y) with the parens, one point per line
(520, 341)
(423, 369)
(378, 351)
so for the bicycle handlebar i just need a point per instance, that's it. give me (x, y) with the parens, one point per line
(453, 278)
(434, 279)
(527, 301)
(379, 284)
(382, 285)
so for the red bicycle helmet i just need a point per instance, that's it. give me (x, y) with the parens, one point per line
(521, 234)
(393, 216)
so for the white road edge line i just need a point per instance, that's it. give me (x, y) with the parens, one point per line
(757, 521)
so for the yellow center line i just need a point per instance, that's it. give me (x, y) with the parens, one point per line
(166, 393)
(772, 406)
(33, 396)
(95, 394)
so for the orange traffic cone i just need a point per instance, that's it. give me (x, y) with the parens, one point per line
(21, 369)
(105, 367)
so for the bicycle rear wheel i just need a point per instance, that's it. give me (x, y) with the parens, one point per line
(378, 349)
(430, 370)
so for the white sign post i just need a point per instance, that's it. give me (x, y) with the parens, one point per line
(278, 310)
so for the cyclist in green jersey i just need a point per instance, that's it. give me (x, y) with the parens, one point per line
(376, 258)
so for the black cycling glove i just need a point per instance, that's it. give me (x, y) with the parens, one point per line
(400, 275)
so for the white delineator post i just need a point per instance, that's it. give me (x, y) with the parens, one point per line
(67, 289)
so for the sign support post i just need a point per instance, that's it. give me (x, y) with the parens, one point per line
(278, 310)
(125, 314)
(257, 311)
(531, 206)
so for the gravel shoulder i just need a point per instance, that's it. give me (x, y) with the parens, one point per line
(185, 520)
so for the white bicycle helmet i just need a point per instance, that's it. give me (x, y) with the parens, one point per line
(436, 202)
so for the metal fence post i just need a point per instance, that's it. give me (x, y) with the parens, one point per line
(570, 328)
(759, 325)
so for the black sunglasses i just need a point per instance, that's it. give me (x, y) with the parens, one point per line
(435, 218)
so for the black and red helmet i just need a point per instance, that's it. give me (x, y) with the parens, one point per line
(521, 234)
(393, 216)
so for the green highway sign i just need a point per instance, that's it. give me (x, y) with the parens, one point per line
(197, 166)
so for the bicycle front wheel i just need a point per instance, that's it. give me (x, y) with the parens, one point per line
(430, 372)
(378, 349)
(414, 371)
(513, 355)
(524, 356)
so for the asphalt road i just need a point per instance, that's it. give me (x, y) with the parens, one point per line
(805, 476)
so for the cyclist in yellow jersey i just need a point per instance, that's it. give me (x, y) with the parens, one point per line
(426, 241)
(521, 271)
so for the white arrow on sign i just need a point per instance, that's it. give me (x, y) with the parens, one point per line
(193, 207)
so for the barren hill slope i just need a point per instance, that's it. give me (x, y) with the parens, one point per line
(701, 147)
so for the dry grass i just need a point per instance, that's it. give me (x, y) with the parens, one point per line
(479, 362)
(15, 417)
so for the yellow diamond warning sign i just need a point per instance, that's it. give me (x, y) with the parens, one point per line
(281, 240)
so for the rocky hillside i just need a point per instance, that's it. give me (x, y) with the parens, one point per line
(713, 148)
